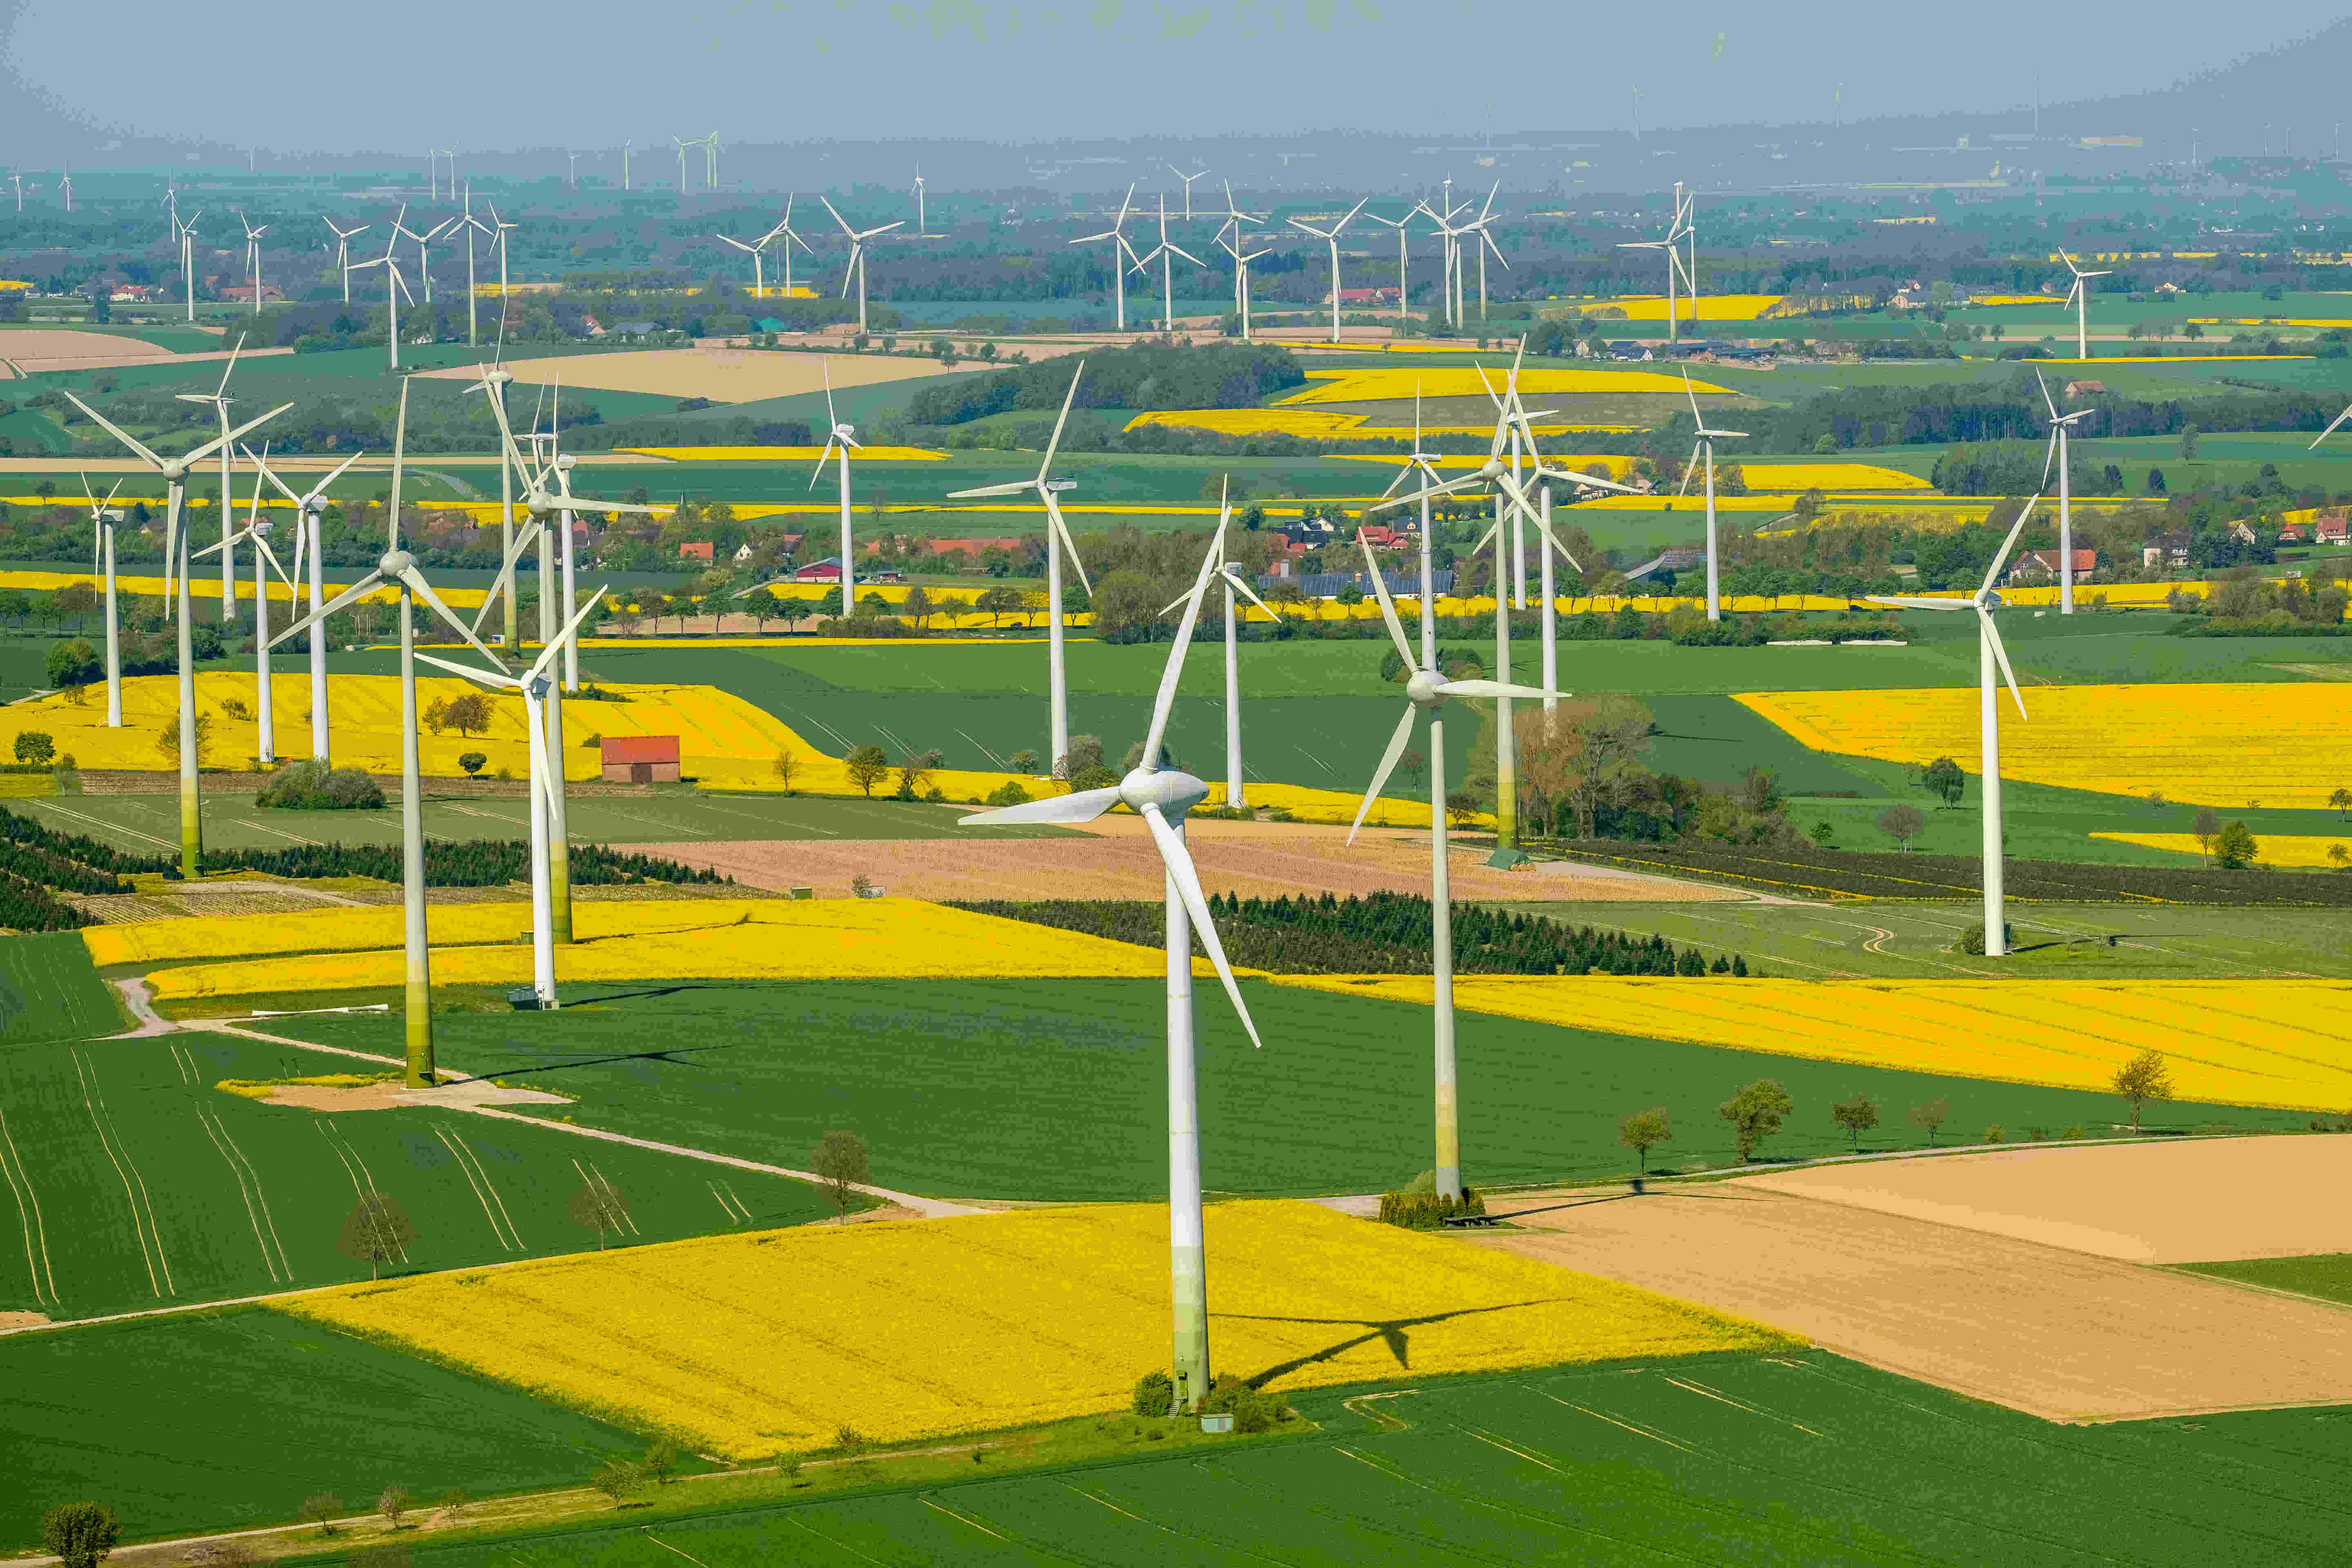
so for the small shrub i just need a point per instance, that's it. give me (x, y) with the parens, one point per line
(1993, 1134)
(1971, 941)
(1427, 1210)
(2074, 1134)
(850, 1440)
(1253, 1409)
(1155, 1394)
(323, 1511)
(309, 785)
(1009, 792)
(472, 761)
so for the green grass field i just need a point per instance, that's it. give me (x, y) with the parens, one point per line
(1797, 1459)
(2326, 1275)
(148, 1188)
(233, 1418)
(1067, 1077)
(50, 991)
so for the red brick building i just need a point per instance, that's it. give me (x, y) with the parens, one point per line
(640, 759)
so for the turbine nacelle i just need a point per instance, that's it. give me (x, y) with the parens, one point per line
(396, 561)
(1426, 689)
(1173, 791)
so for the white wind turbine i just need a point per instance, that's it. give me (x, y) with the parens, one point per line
(1241, 259)
(842, 438)
(500, 229)
(1121, 253)
(1330, 237)
(682, 146)
(1671, 246)
(537, 685)
(922, 212)
(1231, 577)
(176, 580)
(188, 260)
(1425, 691)
(856, 268)
(1165, 254)
(2061, 428)
(102, 519)
(424, 253)
(753, 250)
(711, 160)
(397, 569)
(344, 237)
(1057, 540)
(1161, 796)
(473, 226)
(1485, 242)
(310, 538)
(220, 400)
(65, 184)
(624, 164)
(1403, 266)
(253, 257)
(1989, 655)
(2079, 296)
(256, 531)
(1188, 180)
(1425, 464)
(393, 281)
(791, 237)
(1705, 443)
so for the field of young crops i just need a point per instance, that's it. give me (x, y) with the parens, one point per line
(48, 990)
(749, 1347)
(135, 1182)
(240, 1415)
(1069, 1078)
(2286, 745)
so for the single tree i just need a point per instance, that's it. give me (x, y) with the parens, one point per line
(35, 747)
(618, 1479)
(80, 1534)
(1902, 823)
(784, 766)
(167, 739)
(436, 714)
(375, 1232)
(662, 1461)
(1824, 835)
(2342, 801)
(1413, 762)
(472, 761)
(450, 1504)
(2207, 828)
(2338, 857)
(323, 1511)
(1023, 762)
(868, 765)
(1643, 1131)
(2143, 1078)
(2235, 847)
(1857, 1116)
(839, 1163)
(918, 608)
(1932, 1115)
(1943, 777)
(2189, 444)
(915, 770)
(599, 1207)
(469, 715)
(1755, 1114)
(393, 1503)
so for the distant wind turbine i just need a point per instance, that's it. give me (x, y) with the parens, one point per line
(1330, 237)
(344, 237)
(102, 519)
(310, 539)
(1121, 253)
(253, 257)
(220, 400)
(1705, 443)
(839, 438)
(394, 281)
(1165, 252)
(2061, 428)
(1188, 180)
(856, 268)
(2079, 296)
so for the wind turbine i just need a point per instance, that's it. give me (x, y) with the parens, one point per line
(344, 237)
(1423, 463)
(1188, 180)
(537, 685)
(424, 254)
(1161, 796)
(65, 184)
(1057, 540)
(1704, 442)
(397, 568)
(839, 437)
(1403, 270)
(220, 400)
(1165, 253)
(624, 164)
(256, 530)
(791, 237)
(1485, 243)
(501, 228)
(1241, 274)
(1121, 253)
(2061, 426)
(18, 182)
(759, 273)
(473, 226)
(1989, 653)
(2079, 296)
(711, 160)
(1234, 585)
(175, 572)
(310, 538)
(1670, 245)
(102, 519)
(857, 267)
(1331, 237)
(922, 213)
(393, 280)
(253, 257)
(1425, 691)
(681, 146)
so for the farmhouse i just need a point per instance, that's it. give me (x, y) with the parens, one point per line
(2166, 550)
(2042, 566)
(640, 759)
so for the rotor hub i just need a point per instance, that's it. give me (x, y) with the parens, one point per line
(1420, 689)
(396, 562)
(1491, 468)
(1173, 791)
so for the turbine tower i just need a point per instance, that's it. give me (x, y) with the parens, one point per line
(253, 257)
(759, 272)
(1057, 540)
(2061, 429)
(1121, 253)
(1161, 795)
(309, 537)
(220, 400)
(1165, 254)
(1330, 237)
(2079, 296)
(1989, 655)
(102, 519)
(856, 268)
(344, 237)
(922, 212)
(1705, 443)
(839, 438)
(1403, 269)
(1188, 180)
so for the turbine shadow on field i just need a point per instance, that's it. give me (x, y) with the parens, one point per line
(1389, 1330)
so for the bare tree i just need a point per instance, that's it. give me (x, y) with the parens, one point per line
(1902, 823)
(2206, 828)
(375, 1232)
(599, 1207)
(393, 1503)
(840, 1162)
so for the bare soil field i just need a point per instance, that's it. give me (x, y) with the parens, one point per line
(39, 349)
(2058, 1334)
(723, 375)
(2150, 1203)
(1252, 860)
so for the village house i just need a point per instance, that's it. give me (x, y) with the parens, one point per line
(2041, 567)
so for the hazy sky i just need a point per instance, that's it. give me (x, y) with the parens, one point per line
(339, 77)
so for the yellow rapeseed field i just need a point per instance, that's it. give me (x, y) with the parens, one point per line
(1707, 307)
(1825, 477)
(2230, 745)
(2280, 1043)
(2276, 848)
(749, 1346)
(784, 454)
(776, 939)
(176, 940)
(1381, 384)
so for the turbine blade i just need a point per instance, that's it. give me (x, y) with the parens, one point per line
(1388, 609)
(1014, 488)
(547, 658)
(217, 442)
(1056, 444)
(497, 677)
(1181, 871)
(1682, 484)
(2044, 386)
(2332, 426)
(1493, 689)
(525, 536)
(424, 590)
(1992, 572)
(1908, 602)
(1174, 669)
(2000, 657)
(357, 591)
(1082, 806)
(1397, 740)
(114, 430)
(1061, 530)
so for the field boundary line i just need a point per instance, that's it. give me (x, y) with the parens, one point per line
(495, 1234)
(30, 1220)
(129, 1196)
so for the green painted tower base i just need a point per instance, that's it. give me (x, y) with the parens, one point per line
(1505, 857)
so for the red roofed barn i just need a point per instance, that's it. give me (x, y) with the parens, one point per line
(640, 759)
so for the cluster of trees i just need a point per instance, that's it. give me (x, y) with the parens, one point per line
(1384, 933)
(475, 863)
(1581, 776)
(2244, 603)
(309, 785)
(1148, 375)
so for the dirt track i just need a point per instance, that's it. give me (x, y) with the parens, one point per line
(2158, 1202)
(1254, 860)
(2059, 1334)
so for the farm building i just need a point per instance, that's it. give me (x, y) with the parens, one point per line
(2042, 566)
(640, 759)
(697, 550)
